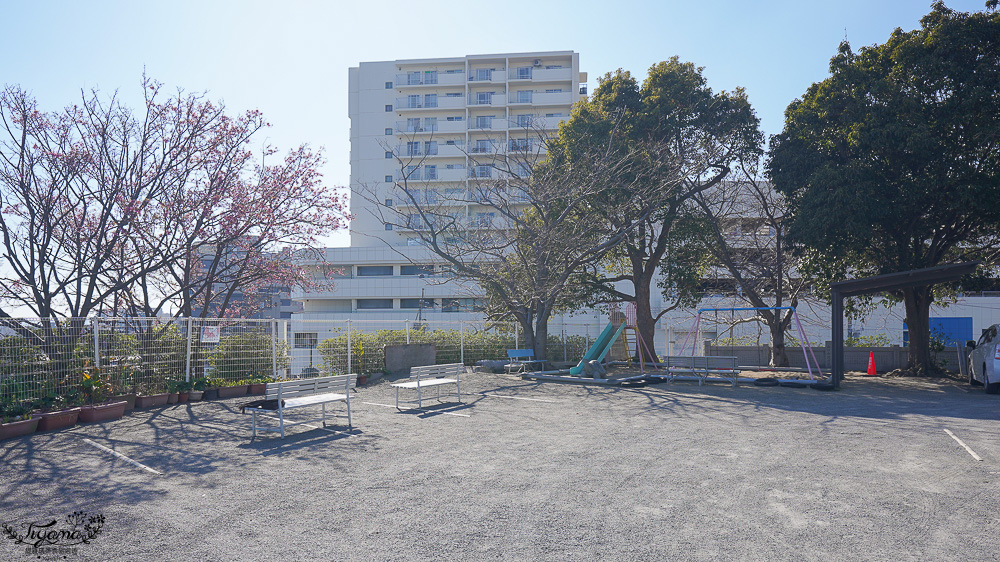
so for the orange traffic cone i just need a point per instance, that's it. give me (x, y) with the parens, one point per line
(871, 364)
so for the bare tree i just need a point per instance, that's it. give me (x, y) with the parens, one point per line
(523, 225)
(747, 221)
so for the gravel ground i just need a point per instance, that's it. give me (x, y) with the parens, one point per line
(526, 470)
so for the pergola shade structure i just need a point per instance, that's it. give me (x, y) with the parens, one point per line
(881, 284)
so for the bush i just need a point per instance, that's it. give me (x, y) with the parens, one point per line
(246, 356)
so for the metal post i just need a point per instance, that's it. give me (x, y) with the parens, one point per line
(97, 343)
(348, 345)
(564, 339)
(407, 323)
(461, 353)
(274, 350)
(187, 367)
(837, 369)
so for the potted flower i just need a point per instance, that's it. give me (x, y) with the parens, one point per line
(16, 419)
(183, 389)
(122, 384)
(97, 391)
(258, 385)
(211, 388)
(197, 390)
(57, 410)
(233, 389)
(151, 395)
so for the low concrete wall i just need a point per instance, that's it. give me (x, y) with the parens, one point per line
(399, 358)
(855, 358)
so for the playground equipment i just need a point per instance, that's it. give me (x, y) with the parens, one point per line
(807, 351)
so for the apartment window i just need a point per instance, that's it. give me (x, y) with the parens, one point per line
(388, 108)
(484, 98)
(413, 148)
(430, 123)
(388, 202)
(374, 304)
(388, 179)
(455, 166)
(553, 91)
(524, 73)
(431, 147)
(415, 303)
(388, 85)
(484, 122)
(413, 100)
(455, 118)
(523, 96)
(414, 222)
(482, 171)
(388, 154)
(430, 77)
(484, 220)
(388, 226)
(552, 66)
(453, 94)
(388, 130)
(431, 196)
(484, 74)
(483, 146)
(305, 339)
(553, 114)
(416, 270)
(450, 305)
(413, 78)
(430, 172)
(430, 100)
(519, 144)
(413, 125)
(525, 120)
(374, 270)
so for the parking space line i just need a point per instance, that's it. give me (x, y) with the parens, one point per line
(123, 457)
(428, 411)
(517, 398)
(967, 448)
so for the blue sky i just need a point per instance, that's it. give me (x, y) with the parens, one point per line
(289, 58)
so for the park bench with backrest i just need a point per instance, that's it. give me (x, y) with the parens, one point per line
(288, 395)
(429, 376)
(520, 360)
(703, 367)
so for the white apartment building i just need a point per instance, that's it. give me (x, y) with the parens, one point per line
(448, 115)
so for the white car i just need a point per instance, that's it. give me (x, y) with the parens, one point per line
(984, 360)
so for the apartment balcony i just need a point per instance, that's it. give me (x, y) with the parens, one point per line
(491, 100)
(441, 150)
(430, 102)
(404, 127)
(430, 79)
(495, 124)
(476, 76)
(541, 98)
(433, 175)
(538, 74)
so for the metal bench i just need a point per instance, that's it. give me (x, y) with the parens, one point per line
(301, 393)
(703, 367)
(520, 360)
(430, 376)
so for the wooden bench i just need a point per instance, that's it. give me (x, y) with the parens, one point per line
(430, 376)
(703, 367)
(520, 360)
(301, 393)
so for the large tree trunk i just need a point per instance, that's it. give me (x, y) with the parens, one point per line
(541, 335)
(917, 301)
(645, 325)
(779, 356)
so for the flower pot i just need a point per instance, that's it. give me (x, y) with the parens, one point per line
(232, 391)
(195, 395)
(48, 421)
(258, 388)
(128, 398)
(151, 401)
(172, 397)
(362, 380)
(182, 397)
(102, 412)
(21, 428)
(211, 394)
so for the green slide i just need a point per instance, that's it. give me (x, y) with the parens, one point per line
(601, 346)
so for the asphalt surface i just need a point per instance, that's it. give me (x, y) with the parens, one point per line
(526, 470)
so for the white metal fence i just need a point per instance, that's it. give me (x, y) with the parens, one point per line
(51, 358)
